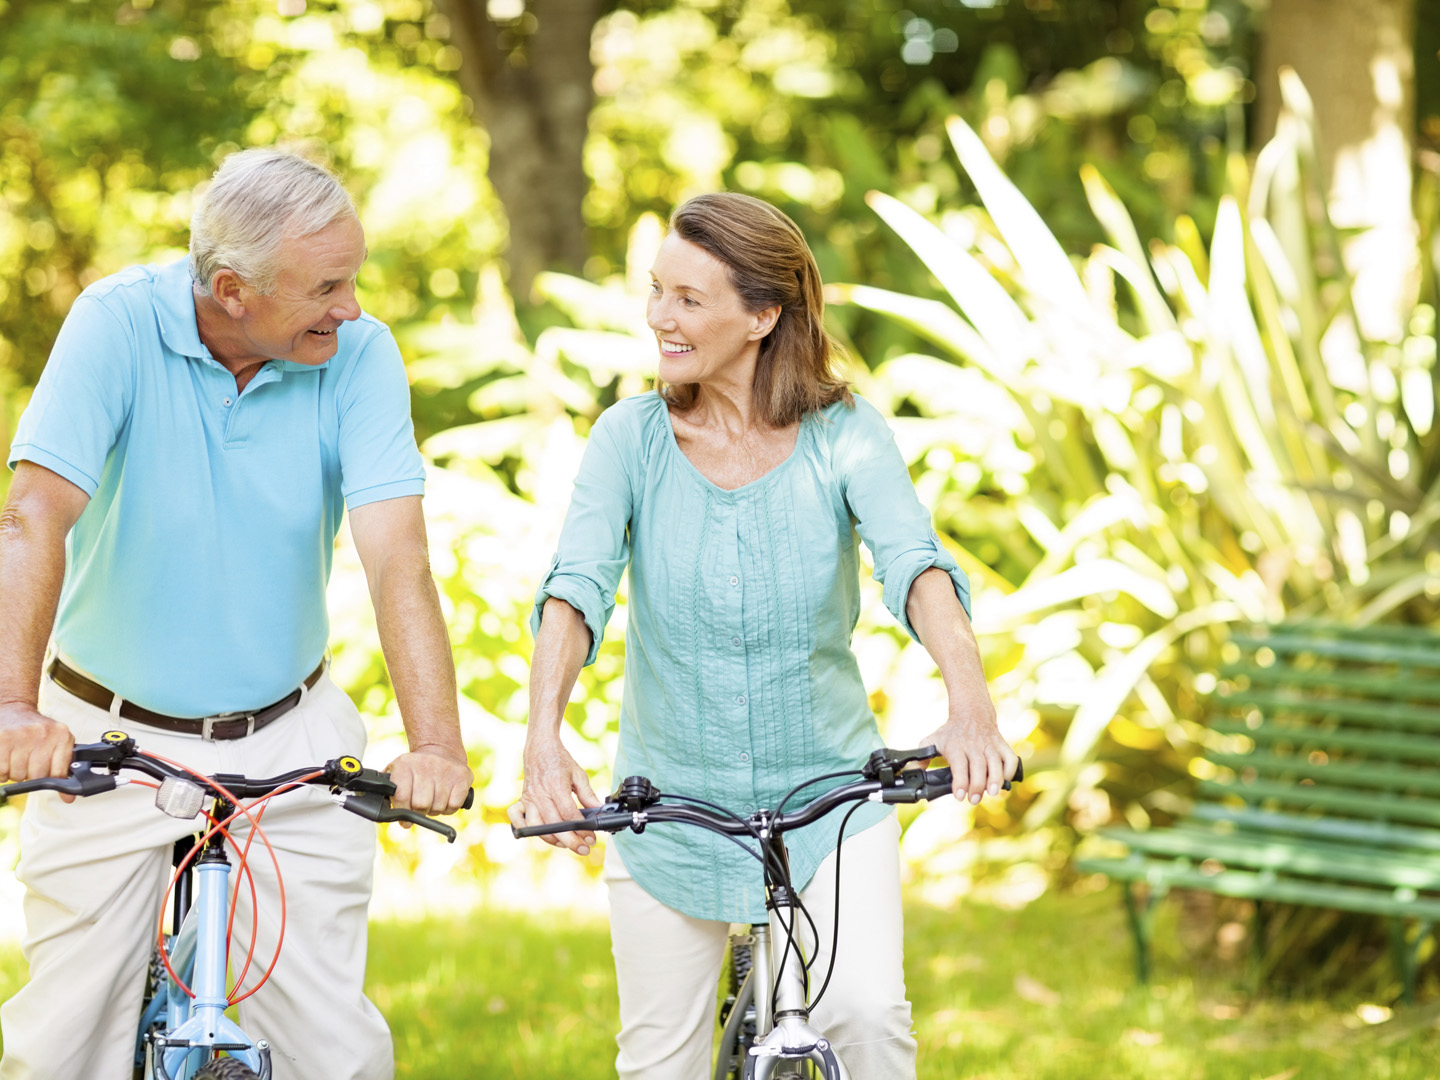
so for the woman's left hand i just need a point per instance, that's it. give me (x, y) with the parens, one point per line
(979, 757)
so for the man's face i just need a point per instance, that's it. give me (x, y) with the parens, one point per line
(314, 293)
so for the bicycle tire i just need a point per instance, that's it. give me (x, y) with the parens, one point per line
(227, 1068)
(737, 1015)
(155, 987)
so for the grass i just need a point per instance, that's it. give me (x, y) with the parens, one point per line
(1043, 992)
(1039, 993)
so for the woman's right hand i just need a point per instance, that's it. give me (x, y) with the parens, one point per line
(554, 782)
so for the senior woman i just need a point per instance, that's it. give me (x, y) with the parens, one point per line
(733, 493)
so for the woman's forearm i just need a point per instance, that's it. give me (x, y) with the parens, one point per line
(943, 628)
(561, 646)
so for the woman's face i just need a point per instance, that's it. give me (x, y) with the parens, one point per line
(700, 324)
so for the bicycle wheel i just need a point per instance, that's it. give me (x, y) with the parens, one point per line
(152, 1015)
(737, 1014)
(227, 1068)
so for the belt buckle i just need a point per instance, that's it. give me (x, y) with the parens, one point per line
(207, 724)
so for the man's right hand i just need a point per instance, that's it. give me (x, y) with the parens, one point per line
(553, 782)
(32, 745)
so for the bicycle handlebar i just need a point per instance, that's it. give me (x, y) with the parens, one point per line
(637, 802)
(95, 768)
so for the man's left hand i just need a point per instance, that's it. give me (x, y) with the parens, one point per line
(431, 780)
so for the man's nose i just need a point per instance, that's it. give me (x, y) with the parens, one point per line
(346, 307)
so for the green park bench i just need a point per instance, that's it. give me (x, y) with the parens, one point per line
(1320, 786)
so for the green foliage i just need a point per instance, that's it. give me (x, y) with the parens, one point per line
(1148, 443)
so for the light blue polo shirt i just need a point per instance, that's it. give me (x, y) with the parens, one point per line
(195, 578)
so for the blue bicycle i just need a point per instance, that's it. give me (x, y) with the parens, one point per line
(183, 1027)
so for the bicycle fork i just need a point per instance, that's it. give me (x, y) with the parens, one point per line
(792, 1039)
(200, 1028)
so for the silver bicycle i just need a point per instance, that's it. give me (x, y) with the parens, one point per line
(766, 1032)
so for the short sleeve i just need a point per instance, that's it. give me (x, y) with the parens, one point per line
(83, 398)
(378, 456)
(889, 516)
(594, 544)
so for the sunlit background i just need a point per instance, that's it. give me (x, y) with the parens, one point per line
(1148, 287)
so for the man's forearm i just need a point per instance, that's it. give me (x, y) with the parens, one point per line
(417, 653)
(32, 570)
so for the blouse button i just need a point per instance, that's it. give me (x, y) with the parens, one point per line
(734, 580)
(735, 641)
(744, 756)
(740, 700)
(226, 401)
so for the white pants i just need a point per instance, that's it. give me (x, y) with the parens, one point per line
(668, 966)
(95, 872)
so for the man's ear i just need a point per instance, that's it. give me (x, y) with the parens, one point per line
(765, 320)
(229, 292)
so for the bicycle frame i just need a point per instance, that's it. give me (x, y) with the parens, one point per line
(784, 1033)
(197, 1028)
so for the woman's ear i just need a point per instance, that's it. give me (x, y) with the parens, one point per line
(764, 321)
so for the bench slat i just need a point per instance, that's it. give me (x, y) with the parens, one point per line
(1264, 886)
(1381, 777)
(1389, 713)
(1382, 806)
(1372, 743)
(1371, 833)
(1371, 652)
(1286, 854)
(1415, 689)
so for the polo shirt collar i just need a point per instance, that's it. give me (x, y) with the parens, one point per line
(175, 308)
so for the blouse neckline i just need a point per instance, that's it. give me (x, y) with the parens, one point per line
(710, 485)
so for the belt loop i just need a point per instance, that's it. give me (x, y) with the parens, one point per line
(115, 702)
(207, 728)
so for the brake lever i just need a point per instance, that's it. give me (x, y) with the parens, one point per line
(377, 808)
(884, 763)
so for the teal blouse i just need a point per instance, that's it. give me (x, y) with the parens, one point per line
(739, 677)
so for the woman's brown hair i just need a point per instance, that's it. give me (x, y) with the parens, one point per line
(768, 263)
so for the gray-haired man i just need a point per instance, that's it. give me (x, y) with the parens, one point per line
(180, 475)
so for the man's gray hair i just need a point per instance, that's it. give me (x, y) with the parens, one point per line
(257, 199)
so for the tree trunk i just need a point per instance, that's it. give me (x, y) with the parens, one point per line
(1356, 59)
(530, 80)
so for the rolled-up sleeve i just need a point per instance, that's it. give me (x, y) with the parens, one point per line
(594, 544)
(889, 516)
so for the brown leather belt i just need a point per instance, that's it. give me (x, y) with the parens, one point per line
(231, 725)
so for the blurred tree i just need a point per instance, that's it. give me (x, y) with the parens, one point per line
(527, 70)
(1356, 58)
(107, 111)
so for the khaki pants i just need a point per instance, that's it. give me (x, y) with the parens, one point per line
(668, 966)
(95, 871)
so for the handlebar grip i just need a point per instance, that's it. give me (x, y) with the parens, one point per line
(939, 781)
(595, 820)
(81, 782)
(469, 800)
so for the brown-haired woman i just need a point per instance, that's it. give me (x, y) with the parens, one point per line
(734, 493)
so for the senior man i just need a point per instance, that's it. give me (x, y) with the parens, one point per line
(180, 475)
